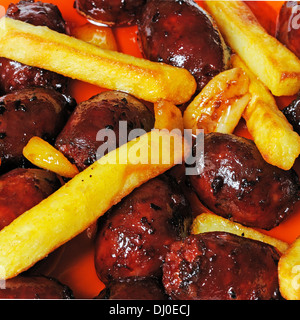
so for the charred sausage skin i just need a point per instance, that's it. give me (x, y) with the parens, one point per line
(180, 33)
(287, 28)
(111, 12)
(78, 139)
(292, 113)
(133, 240)
(27, 113)
(15, 75)
(38, 14)
(134, 289)
(237, 183)
(221, 266)
(35, 287)
(22, 189)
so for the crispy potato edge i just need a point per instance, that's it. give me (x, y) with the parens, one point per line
(44, 48)
(289, 272)
(276, 66)
(273, 135)
(207, 222)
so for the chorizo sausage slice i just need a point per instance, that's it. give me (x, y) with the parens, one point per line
(237, 183)
(221, 266)
(182, 34)
(133, 240)
(27, 113)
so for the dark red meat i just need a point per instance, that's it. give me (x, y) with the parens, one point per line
(111, 12)
(292, 113)
(27, 113)
(136, 234)
(237, 183)
(221, 266)
(34, 287)
(288, 26)
(78, 139)
(22, 189)
(38, 14)
(181, 34)
(133, 289)
(15, 75)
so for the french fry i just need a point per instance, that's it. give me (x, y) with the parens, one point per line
(82, 200)
(41, 47)
(221, 103)
(208, 222)
(167, 116)
(102, 37)
(289, 272)
(276, 66)
(273, 135)
(43, 155)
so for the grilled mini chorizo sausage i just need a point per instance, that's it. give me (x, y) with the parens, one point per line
(237, 183)
(38, 14)
(111, 12)
(133, 289)
(15, 75)
(180, 33)
(78, 139)
(288, 26)
(292, 114)
(27, 113)
(35, 287)
(133, 240)
(22, 189)
(221, 266)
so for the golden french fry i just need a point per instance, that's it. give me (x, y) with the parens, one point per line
(82, 200)
(208, 222)
(43, 155)
(273, 135)
(276, 66)
(102, 37)
(167, 116)
(221, 103)
(41, 47)
(289, 272)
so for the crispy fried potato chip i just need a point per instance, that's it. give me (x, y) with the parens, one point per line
(43, 155)
(81, 201)
(273, 135)
(41, 47)
(207, 222)
(167, 116)
(289, 272)
(276, 66)
(221, 103)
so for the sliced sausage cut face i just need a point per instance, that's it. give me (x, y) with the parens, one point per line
(221, 266)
